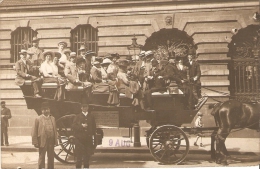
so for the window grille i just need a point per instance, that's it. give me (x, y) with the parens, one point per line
(21, 38)
(84, 35)
(245, 68)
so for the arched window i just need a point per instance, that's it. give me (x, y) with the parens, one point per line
(84, 34)
(244, 51)
(21, 38)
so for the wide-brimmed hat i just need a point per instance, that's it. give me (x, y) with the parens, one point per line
(45, 105)
(142, 54)
(29, 53)
(122, 62)
(57, 54)
(65, 44)
(108, 55)
(200, 114)
(47, 52)
(96, 62)
(89, 53)
(23, 51)
(35, 39)
(115, 55)
(106, 61)
(73, 54)
(82, 47)
(148, 53)
(100, 59)
(67, 51)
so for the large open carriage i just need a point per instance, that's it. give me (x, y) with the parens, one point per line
(167, 140)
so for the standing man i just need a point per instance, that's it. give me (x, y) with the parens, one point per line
(44, 136)
(194, 74)
(37, 52)
(84, 127)
(5, 115)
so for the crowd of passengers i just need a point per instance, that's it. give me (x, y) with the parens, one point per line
(136, 77)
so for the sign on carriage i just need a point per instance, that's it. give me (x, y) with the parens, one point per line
(106, 119)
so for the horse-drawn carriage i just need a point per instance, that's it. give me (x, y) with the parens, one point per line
(167, 140)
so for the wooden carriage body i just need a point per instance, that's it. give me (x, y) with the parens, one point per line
(168, 114)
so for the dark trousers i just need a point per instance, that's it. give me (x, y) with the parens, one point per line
(49, 148)
(4, 135)
(83, 152)
(82, 156)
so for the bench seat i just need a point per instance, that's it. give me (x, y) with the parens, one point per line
(49, 86)
(28, 82)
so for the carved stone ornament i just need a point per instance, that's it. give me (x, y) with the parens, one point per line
(168, 20)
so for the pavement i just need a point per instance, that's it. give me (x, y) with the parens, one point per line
(124, 145)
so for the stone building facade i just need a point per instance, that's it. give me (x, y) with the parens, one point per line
(211, 24)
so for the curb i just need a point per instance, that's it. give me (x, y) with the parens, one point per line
(125, 150)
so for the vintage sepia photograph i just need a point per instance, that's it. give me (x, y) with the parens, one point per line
(129, 83)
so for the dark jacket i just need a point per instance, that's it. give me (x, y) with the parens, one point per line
(5, 115)
(194, 70)
(82, 134)
(96, 75)
(171, 72)
(21, 70)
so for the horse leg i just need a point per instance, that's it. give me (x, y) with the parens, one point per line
(213, 142)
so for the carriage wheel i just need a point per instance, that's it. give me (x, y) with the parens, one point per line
(64, 152)
(169, 144)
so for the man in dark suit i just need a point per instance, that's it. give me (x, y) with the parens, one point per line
(84, 127)
(194, 74)
(5, 115)
(22, 68)
(44, 136)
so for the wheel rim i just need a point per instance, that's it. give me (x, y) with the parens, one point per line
(64, 152)
(169, 144)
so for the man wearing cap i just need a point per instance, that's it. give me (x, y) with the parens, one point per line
(23, 73)
(44, 136)
(5, 115)
(37, 52)
(84, 127)
(194, 74)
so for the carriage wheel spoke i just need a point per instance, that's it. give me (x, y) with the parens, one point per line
(163, 154)
(63, 148)
(157, 145)
(68, 153)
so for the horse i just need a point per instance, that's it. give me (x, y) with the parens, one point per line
(229, 115)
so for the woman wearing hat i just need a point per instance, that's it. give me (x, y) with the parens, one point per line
(104, 65)
(24, 73)
(113, 68)
(126, 85)
(65, 57)
(50, 70)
